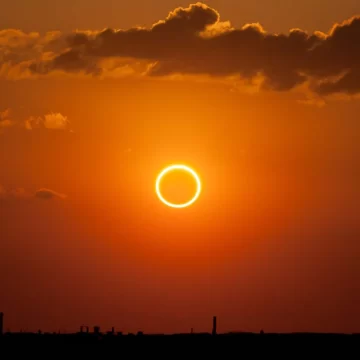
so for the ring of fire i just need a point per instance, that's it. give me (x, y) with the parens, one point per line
(183, 168)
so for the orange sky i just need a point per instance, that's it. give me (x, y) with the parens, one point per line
(88, 120)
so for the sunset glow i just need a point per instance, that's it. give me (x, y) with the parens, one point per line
(163, 162)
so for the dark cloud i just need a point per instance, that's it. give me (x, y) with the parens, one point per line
(47, 194)
(189, 21)
(21, 193)
(195, 41)
(18, 50)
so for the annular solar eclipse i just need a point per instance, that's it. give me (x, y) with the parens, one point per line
(178, 167)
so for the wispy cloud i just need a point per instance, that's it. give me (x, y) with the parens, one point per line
(47, 194)
(5, 120)
(23, 194)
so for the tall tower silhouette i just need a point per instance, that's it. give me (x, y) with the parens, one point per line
(1, 323)
(214, 326)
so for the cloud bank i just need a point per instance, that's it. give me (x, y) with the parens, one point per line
(195, 41)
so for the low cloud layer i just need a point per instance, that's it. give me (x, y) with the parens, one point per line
(48, 194)
(51, 121)
(195, 41)
(21, 193)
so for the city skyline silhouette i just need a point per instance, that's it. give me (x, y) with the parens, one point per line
(180, 170)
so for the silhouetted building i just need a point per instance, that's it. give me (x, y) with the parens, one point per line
(112, 332)
(214, 326)
(1, 323)
(96, 329)
(82, 327)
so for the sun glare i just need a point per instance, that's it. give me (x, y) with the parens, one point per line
(186, 169)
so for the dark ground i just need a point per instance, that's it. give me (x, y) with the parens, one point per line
(233, 345)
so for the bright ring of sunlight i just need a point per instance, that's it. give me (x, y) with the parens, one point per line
(184, 168)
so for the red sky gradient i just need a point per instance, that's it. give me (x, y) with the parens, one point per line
(273, 241)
